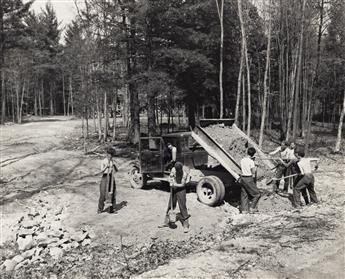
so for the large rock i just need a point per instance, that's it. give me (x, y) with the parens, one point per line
(56, 225)
(66, 246)
(79, 236)
(86, 242)
(9, 265)
(28, 224)
(55, 233)
(18, 258)
(75, 244)
(43, 239)
(25, 243)
(24, 232)
(33, 212)
(91, 234)
(29, 253)
(56, 252)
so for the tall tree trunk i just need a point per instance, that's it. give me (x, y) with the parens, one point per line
(292, 96)
(63, 94)
(51, 111)
(20, 116)
(239, 81)
(114, 116)
(298, 75)
(243, 34)
(17, 99)
(13, 105)
(340, 127)
(249, 93)
(220, 9)
(94, 119)
(83, 129)
(106, 118)
(2, 60)
(35, 102)
(316, 77)
(40, 101)
(244, 117)
(99, 117)
(268, 56)
(87, 122)
(3, 95)
(71, 95)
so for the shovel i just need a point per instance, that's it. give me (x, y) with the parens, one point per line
(275, 178)
(172, 213)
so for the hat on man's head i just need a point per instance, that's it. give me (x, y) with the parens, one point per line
(110, 150)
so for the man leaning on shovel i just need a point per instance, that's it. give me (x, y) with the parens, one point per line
(107, 188)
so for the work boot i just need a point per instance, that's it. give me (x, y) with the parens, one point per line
(185, 226)
(166, 222)
(112, 210)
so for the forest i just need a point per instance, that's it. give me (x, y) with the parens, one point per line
(270, 65)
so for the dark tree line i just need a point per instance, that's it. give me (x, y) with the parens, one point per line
(280, 62)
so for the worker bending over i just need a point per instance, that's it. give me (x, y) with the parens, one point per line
(282, 169)
(306, 179)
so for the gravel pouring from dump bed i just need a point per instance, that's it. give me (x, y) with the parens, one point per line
(235, 144)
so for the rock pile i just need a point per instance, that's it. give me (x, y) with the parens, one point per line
(40, 234)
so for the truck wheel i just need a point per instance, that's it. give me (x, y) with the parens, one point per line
(221, 188)
(136, 178)
(208, 191)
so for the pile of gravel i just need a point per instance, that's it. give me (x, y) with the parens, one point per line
(233, 141)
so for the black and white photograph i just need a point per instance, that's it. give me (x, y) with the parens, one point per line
(161, 139)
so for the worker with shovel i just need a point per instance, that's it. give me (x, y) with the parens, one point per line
(177, 181)
(107, 187)
(248, 183)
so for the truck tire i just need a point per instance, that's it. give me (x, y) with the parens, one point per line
(221, 187)
(136, 179)
(208, 191)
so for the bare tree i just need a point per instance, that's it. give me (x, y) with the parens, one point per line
(268, 51)
(340, 127)
(239, 80)
(220, 9)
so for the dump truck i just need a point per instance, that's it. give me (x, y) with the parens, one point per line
(209, 166)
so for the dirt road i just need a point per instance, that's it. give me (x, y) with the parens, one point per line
(37, 164)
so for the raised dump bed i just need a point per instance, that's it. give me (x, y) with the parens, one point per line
(228, 144)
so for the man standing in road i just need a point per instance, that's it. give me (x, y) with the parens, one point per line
(248, 183)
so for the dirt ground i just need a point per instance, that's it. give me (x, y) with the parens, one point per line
(42, 162)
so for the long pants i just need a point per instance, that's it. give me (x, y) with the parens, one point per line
(294, 170)
(280, 172)
(306, 182)
(104, 192)
(178, 195)
(249, 188)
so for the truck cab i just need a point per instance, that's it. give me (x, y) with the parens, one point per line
(203, 171)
